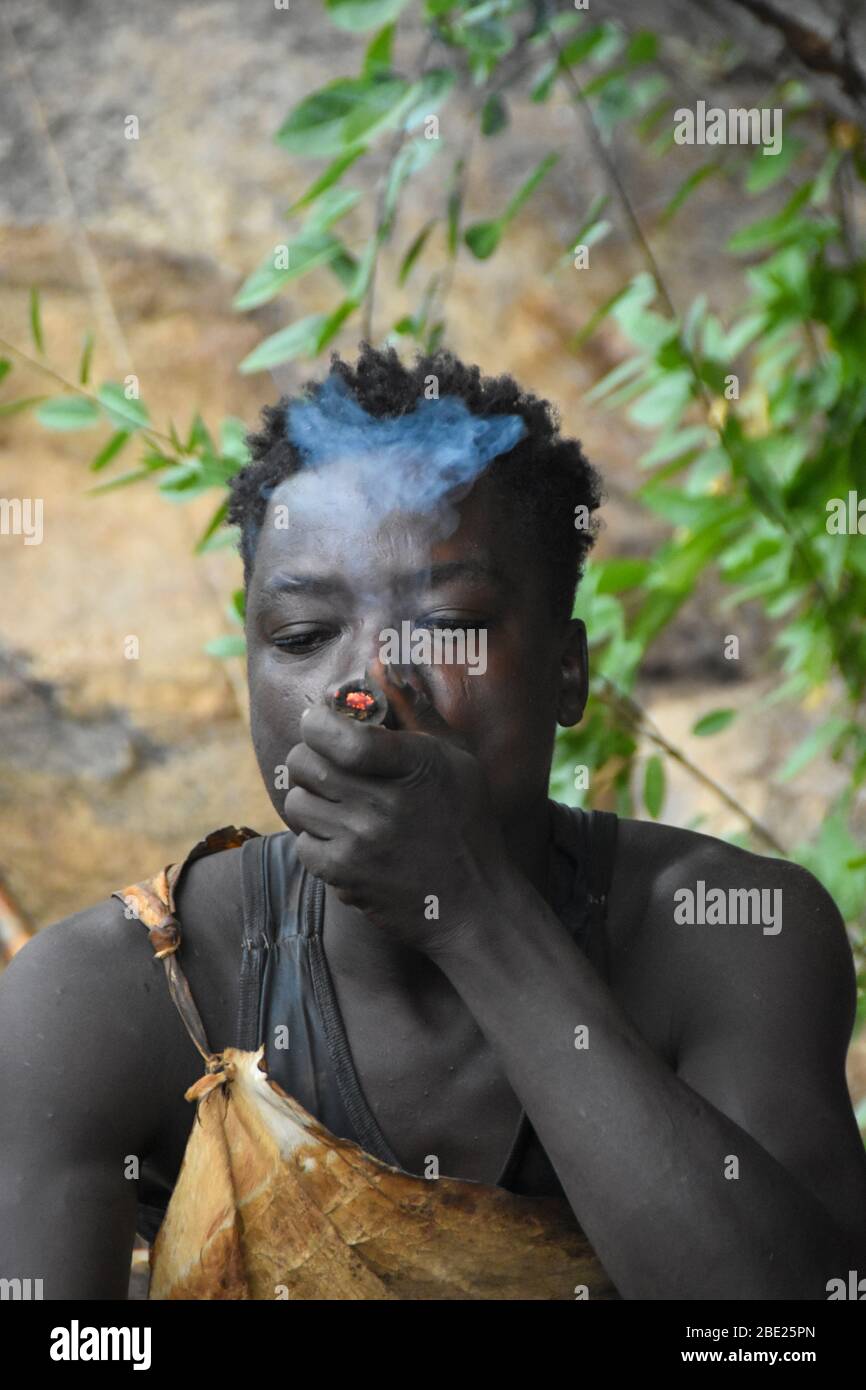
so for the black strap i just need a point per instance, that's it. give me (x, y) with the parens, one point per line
(602, 829)
(255, 943)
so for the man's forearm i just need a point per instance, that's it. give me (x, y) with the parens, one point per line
(640, 1155)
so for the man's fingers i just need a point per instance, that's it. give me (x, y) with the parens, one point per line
(367, 750)
(305, 813)
(309, 769)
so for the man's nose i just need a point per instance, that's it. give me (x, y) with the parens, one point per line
(366, 645)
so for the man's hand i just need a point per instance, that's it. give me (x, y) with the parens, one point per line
(399, 822)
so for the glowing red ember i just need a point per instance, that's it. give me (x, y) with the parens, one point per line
(359, 699)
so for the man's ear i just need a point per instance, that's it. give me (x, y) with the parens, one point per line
(574, 675)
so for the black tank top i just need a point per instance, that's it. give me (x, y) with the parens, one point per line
(287, 998)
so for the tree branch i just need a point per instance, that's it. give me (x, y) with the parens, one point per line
(831, 56)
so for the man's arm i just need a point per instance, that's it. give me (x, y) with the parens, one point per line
(647, 1156)
(80, 1094)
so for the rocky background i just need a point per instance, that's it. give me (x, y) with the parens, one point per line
(110, 768)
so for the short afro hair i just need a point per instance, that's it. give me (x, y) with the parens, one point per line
(544, 479)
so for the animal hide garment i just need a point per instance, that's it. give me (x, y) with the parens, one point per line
(270, 1205)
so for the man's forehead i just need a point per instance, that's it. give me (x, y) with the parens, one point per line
(299, 551)
(300, 577)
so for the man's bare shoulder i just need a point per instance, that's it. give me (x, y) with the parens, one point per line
(724, 919)
(80, 1009)
(666, 862)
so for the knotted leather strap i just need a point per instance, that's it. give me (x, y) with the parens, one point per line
(152, 902)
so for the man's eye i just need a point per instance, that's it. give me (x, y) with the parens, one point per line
(301, 641)
(452, 620)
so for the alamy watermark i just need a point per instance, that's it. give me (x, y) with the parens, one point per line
(77, 1343)
(22, 516)
(423, 646)
(20, 1290)
(846, 516)
(704, 906)
(737, 126)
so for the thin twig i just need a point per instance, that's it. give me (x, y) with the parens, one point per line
(370, 292)
(150, 434)
(843, 639)
(811, 48)
(644, 724)
(393, 153)
(88, 263)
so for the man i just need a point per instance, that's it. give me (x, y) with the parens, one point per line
(692, 1104)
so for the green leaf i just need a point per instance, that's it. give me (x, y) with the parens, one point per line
(743, 333)
(643, 47)
(344, 267)
(688, 186)
(673, 445)
(86, 357)
(233, 440)
(619, 574)
(435, 337)
(359, 15)
(212, 527)
(335, 118)
(379, 51)
(110, 450)
(68, 413)
(334, 171)
(494, 115)
(222, 538)
(5, 367)
(556, 24)
(123, 481)
(601, 313)
(304, 254)
(584, 45)
(384, 105)
(714, 722)
(199, 437)
(455, 205)
(811, 746)
(591, 220)
(237, 606)
(769, 231)
(829, 858)
(232, 644)
(425, 97)
(525, 192)
(617, 376)
(36, 321)
(415, 250)
(665, 401)
(122, 413)
(412, 158)
(300, 339)
(334, 322)
(654, 786)
(24, 403)
(364, 269)
(328, 209)
(482, 238)
(766, 169)
(544, 81)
